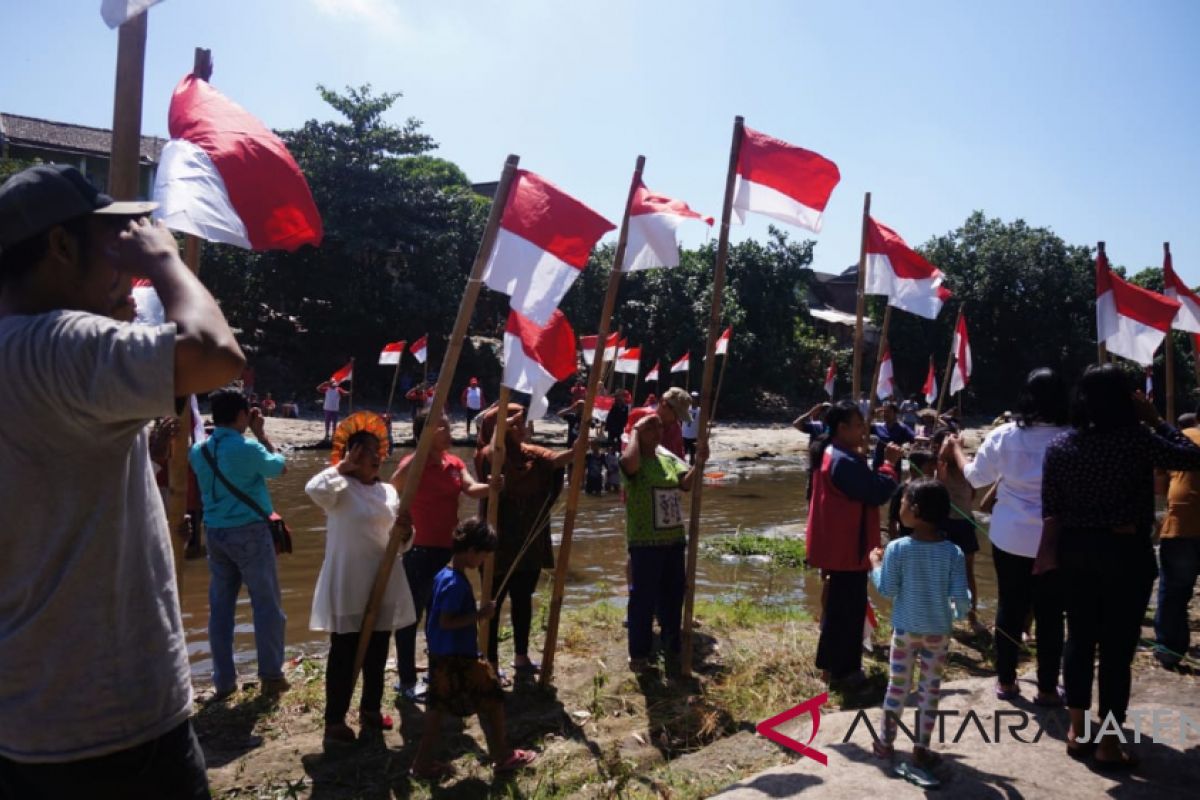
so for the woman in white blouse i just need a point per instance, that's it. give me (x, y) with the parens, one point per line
(1012, 454)
(361, 510)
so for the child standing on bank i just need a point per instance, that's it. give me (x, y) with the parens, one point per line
(612, 470)
(594, 466)
(460, 682)
(923, 574)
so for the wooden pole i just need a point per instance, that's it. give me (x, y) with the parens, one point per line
(717, 395)
(1169, 354)
(392, 393)
(123, 178)
(873, 396)
(949, 364)
(633, 397)
(706, 399)
(400, 532)
(856, 378)
(581, 444)
(1101, 347)
(499, 449)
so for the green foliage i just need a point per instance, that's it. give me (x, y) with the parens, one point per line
(11, 166)
(783, 551)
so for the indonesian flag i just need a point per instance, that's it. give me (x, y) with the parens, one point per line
(930, 388)
(653, 219)
(619, 350)
(587, 345)
(390, 354)
(344, 374)
(1130, 320)
(148, 308)
(782, 181)
(537, 357)
(652, 375)
(1188, 318)
(418, 349)
(601, 406)
(225, 177)
(543, 244)
(831, 378)
(962, 357)
(117, 12)
(723, 342)
(682, 364)
(629, 361)
(894, 269)
(886, 387)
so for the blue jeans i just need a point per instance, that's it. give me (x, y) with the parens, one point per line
(236, 555)
(1178, 566)
(657, 591)
(421, 566)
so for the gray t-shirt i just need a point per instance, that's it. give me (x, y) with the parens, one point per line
(92, 653)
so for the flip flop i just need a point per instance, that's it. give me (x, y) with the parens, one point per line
(1057, 701)
(1128, 762)
(916, 776)
(884, 751)
(519, 759)
(1007, 694)
(1080, 751)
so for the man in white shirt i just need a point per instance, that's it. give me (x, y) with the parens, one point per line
(332, 392)
(472, 401)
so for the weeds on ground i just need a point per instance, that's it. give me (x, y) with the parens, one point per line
(783, 551)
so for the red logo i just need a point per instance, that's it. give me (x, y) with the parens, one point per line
(812, 707)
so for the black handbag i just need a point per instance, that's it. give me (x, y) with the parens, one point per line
(281, 534)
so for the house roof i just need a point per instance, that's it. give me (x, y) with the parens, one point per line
(848, 275)
(67, 138)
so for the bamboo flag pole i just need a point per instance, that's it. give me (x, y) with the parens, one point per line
(706, 399)
(636, 375)
(720, 383)
(856, 378)
(1101, 347)
(499, 449)
(872, 390)
(581, 444)
(392, 392)
(949, 363)
(1169, 355)
(403, 532)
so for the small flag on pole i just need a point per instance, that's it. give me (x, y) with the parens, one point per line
(117, 12)
(418, 349)
(629, 361)
(602, 405)
(653, 219)
(930, 388)
(1188, 318)
(723, 342)
(537, 357)
(962, 357)
(1130, 320)
(831, 378)
(346, 373)
(887, 384)
(782, 181)
(652, 375)
(587, 344)
(894, 269)
(682, 364)
(390, 354)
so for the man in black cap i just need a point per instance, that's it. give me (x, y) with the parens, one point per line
(95, 688)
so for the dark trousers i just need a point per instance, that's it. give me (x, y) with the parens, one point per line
(1107, 579)
(1020, 590)
(421, 566)
(839, 650)
(519, 589)
(1178, 566)
(657, 589)
(170, 767)
(339, 674)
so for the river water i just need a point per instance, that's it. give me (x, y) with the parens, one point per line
(756, 497)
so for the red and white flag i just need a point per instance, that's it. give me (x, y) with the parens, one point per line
(225, 177)
(886, 387)
(1188, 318)
(601, 406)
(962, 357)
(629, 362)
(653, 219)
(652, 375)
(930, 388)
(831, 378)
(1130, 320)
(587, 345)
(419, 349)
(682, 364)
(723, 342)
(782, 181)
(894, 269)
(148, 308)
(391, 352)
(117, 12)
(537, 357)
(346, 373)
(543, 244)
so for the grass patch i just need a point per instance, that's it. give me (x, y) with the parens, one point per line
(784, 551)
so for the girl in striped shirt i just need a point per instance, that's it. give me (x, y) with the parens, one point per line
(923, 574)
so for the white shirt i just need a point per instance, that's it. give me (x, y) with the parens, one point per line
(1013, 456)
(333, 399)
(360, 518)
(474, 398)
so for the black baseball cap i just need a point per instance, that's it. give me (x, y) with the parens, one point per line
(36, 199)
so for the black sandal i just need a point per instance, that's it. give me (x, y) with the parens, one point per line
(1128, 762)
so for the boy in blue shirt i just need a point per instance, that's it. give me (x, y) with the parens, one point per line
(460, 682)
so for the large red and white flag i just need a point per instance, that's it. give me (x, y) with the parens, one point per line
(886, 386)
(391, 352)
(962, 357)
(894, 269)
(683, 364)
(543, 244)
(1188, 318)
(1130, 320)
(629, 362)
(652, 375)
(782, 181)
(930, 388)
(225, 177)
(419, 349)
(831, 378)
(117, 12)
(601, 406)
(346, 373)
(536, 357)
(653, 219)
(723, 342)
(587, 345)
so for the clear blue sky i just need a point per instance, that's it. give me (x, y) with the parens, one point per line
(1080, 116)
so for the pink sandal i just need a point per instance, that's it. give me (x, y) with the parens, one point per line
(519, 759)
